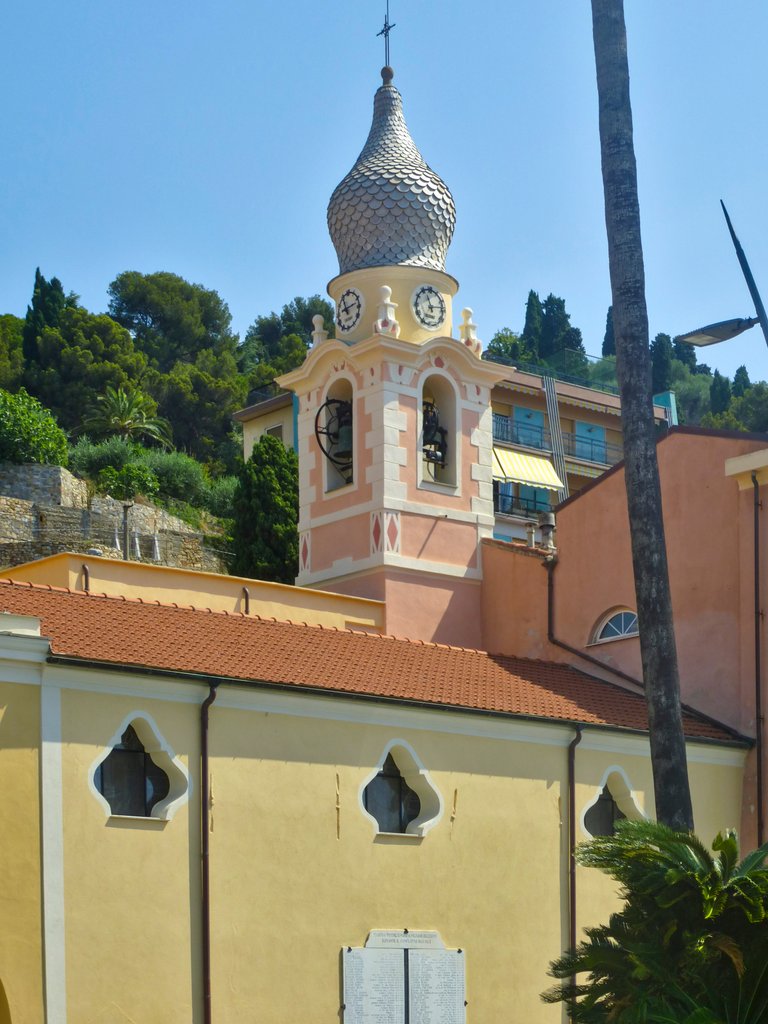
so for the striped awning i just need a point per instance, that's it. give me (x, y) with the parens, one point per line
(525, 469)
(579, 469)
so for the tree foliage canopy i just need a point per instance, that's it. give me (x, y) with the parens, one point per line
(170, 319)
(77, 359)
(128, 414)
(265, 534)
(11, 351)
(28, 432)
(688, 946)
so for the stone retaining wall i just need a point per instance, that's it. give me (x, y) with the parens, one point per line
(32, 528)
(44, 485)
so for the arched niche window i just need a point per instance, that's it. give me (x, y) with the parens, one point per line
(399, 796)
(616, 626)
(137, 776)
(334, 430)
(613, 802)
(438, 436)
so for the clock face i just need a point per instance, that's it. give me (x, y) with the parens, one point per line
(429, 307)
(349, 309)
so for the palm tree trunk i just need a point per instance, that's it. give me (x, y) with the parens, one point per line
(630, 320)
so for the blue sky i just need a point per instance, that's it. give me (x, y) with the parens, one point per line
(206, 140)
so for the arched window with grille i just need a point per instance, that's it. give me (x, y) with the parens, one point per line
(616, 626)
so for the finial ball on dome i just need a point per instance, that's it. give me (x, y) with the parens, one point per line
(387, 74)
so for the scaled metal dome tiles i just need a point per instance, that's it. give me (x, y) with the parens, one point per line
(391, 208)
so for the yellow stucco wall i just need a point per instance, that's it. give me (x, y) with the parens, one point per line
(169, 585)
(296, 870)
(20, 900)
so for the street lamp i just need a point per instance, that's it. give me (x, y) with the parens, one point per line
(724, 330)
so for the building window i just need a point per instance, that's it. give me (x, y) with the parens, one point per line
(390, 800)
(617, 626)
(129, 780)
(601, 818)
(334, 432)
(438, 431)
(276, 431)
(399, 797)
(613, 801)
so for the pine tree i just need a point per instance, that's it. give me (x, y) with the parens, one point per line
(555, 322)
(265, 532)
(609, 341)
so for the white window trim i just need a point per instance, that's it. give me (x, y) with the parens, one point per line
(423, 480)
(603, 622)
(326, 465)
(420, 781)
(162, 754)
(627, 799)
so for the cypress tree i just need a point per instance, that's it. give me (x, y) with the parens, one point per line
(48, 300)
(531, 335)
(661, 363)
(741, 382)
(719, 393)
(266, 502)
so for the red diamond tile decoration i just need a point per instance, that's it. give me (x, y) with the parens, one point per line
(393, 529)
(376, 533)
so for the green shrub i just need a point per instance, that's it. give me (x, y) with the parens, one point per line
(221, 497)
(89, 458)
(29, 432)
(179, 476)
(126, 483)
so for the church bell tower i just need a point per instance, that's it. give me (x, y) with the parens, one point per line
(394, 424)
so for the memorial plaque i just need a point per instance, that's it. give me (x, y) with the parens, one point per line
(436, 986)
(404, 977)
(374, 987)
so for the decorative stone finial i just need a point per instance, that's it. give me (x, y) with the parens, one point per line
(387, 74)
(468, 332)
(319, 334)
(386, 322)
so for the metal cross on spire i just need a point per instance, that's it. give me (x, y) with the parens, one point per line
(385, 32)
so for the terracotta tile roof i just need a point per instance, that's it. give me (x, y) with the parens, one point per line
(233, 646)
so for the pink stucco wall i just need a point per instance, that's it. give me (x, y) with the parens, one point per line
(710, 547)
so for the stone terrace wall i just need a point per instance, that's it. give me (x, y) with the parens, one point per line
(33, 528)
(44, 485)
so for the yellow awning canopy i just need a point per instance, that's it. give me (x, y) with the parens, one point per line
(578, 469)
(525, 469)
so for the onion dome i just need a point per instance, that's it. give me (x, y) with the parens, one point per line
(391, 208)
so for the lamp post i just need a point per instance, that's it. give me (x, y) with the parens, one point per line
(724, 330)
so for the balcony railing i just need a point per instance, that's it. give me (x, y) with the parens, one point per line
(514, 432)
(575, 446)
(512, 505)
(587, 450)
